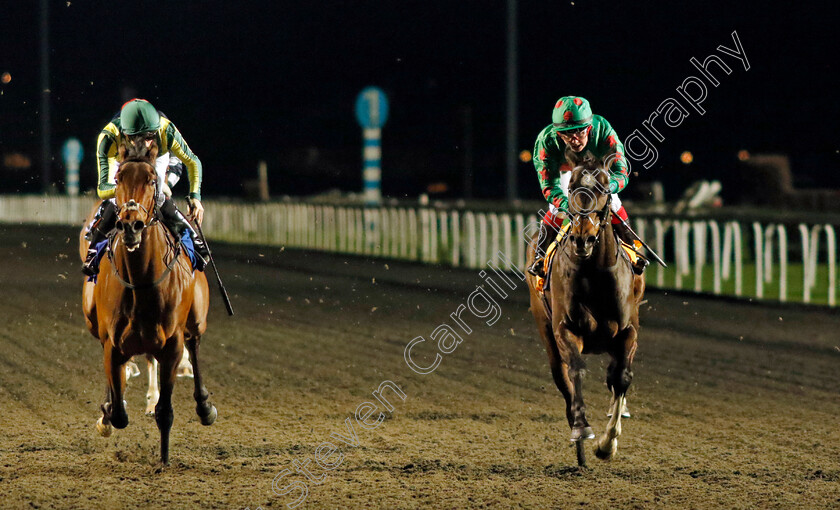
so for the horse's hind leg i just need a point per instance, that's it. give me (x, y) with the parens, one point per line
(103, 424)
(619, 377)
(168, 357)
(153, 393)
(185, 368)
(625, 411)
(204, 409)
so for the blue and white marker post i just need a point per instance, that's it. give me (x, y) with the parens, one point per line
(372, 112)
(72, 154)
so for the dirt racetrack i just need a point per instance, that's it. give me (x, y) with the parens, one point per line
(734, 405)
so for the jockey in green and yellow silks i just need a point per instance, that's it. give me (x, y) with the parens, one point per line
(139, 122)
(574, 135)
(136, 117)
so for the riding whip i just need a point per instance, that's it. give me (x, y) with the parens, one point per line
(635, 235)
(225, 297)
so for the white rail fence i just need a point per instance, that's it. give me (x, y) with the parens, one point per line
(703, 255)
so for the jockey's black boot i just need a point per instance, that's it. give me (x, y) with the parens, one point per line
(627, 238)
(102, 225)
(624, 234)
(543, 241)
(640, 265)
(177, 224)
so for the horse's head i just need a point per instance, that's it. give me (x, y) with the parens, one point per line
(136, 190)
(589, 198)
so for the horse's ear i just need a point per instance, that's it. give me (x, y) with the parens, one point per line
(153, 152)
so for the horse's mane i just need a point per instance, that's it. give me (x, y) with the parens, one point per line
(588, 166)
(137, 153)
(588, 182)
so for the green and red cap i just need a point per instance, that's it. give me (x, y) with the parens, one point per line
(139, 116)
(571, 112)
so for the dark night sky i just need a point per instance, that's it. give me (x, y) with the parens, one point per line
(245, 81)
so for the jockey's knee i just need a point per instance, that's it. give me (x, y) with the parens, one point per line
(107, 216)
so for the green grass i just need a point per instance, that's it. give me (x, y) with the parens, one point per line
(819, 293)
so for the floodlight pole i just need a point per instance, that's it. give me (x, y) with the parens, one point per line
(46, 158)
(512, 92)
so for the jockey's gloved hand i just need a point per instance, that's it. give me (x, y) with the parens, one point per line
(562, 204)
(196, 209)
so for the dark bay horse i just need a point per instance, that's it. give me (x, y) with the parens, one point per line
(147, 299)
(591, 306)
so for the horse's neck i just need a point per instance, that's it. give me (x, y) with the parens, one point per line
(606, 254)
(146, 263)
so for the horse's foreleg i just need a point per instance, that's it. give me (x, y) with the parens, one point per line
(619, 377)
(559, 368)
(580, 426)
(153, 393)
(564, 383)
(168, 358)
(567, 377)
(115, 372)
(570, 347)
(204, 409)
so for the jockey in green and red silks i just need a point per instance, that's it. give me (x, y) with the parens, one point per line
(574, 135)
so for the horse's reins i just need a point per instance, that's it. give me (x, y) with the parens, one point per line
(169, 266)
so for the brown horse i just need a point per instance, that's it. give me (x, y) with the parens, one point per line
(131, 368)
(591, 305)
(147, 299)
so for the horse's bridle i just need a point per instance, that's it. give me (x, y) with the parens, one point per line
(132, 205)
(604, 214)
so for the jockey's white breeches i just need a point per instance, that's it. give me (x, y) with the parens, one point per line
(565, 178)
(161, 164)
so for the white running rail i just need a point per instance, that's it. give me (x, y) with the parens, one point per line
(708, 255)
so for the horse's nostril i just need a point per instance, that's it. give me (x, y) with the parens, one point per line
(590, 240)
(120, 226)
(138, 225)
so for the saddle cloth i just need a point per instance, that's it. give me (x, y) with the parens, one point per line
(102, 247)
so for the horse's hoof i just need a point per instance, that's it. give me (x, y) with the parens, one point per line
(581, 433)
(103, 429)
(131, 370)
(185, 372)
(606, 452)
(119, 420)
(185, 368)
(624, 414)
(210, 418)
